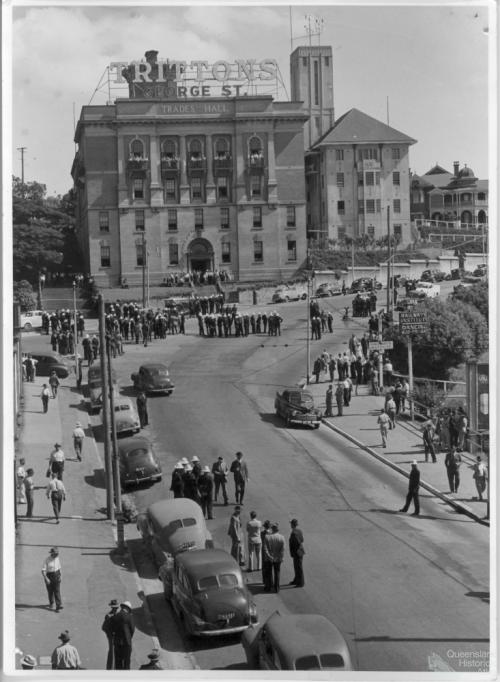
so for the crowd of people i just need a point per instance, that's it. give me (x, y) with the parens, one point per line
(197, 278)
(232, 323)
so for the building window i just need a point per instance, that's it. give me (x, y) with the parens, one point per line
(340, 179)
(304, 61)
(255, 146)
(341, 233)
(105, 256)
(398, 231)
(395, 178)
(327, 61)
(396, 205)
(369, 178)
(258, 252)
(171, 189)
(173, 254)
(368, 154)
(137, 150)
(222, 188)
(378, 209)
(196, 191)
(139, 255)
(255, 186)
(360, 179)
(292, 250)
(290, 216)
(226, 252)
(221, 148)
(316, 82)
(195, 149)
(371, 231)
(169, 149)
(172, 219)
(339, 155)
(396, 153)
(341, 207)
(481, 196)
(138, 188)
(224, 218)
(104, 221)
(257, 216)
(140, 221)
(377, 178)
(361, 206)
(198, 218)
(370, 205)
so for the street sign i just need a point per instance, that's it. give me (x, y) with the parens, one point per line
(410, 322)
(381, 345)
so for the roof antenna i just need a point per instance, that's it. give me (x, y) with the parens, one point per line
(387, 105)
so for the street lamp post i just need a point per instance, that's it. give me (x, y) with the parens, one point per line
(75, 330)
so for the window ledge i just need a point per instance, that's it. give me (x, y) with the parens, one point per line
(257, 229)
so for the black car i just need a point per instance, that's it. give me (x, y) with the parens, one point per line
(49, 361)
(364, 284)
(153, 377)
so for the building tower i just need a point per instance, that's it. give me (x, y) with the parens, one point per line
(311, 78)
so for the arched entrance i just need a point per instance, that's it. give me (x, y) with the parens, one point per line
(200, 255)
(466, 217)
(481, 217)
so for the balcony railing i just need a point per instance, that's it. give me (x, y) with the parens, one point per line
(138, 163)
(197, 166)
(256, 163)
(170, 167)
(223, 165)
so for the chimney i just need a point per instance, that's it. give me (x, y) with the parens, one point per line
(455, 168)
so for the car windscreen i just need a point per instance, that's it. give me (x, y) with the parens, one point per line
(159, 372)
(122, 406)
(140, 453)
(302, 399)
(211, 582)
(175, 525)
(323, 662)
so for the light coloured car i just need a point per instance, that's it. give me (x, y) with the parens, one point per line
(425, 290)
(285, 293)
(126, 417)
(31, 319)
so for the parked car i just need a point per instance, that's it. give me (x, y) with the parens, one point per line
(328, 290)
(296, 406)
(95, 387)
(425, 290)
(126, 417)
(31, 319)
(171, 526)
(454, 274)
(284, 294)
(138, 462)
(481, 270)
(153, 377)
(48, 361)
(296, 642)
(472, 278)
(364, 284)
(208, 593)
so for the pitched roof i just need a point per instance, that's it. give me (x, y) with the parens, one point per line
(359, 128)
(437, 170)
(439, 179)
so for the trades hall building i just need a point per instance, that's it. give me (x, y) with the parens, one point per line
(190, 183)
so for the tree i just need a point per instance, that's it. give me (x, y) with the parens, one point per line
(455, 332)
(23, 294)
(36, 248)
(476, 295)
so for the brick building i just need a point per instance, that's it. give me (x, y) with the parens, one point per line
(201, 183)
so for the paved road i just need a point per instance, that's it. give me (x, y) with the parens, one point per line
(408, 593)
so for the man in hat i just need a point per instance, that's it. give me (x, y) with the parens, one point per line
(65, 656)
(78, 436)
(240, 471)
(177, 484)
(123, 627)
(56, 493)
(51, 571)
(197, 468)
(206, 488)
(234, 532)
(413, 486)
(274, 552)
(107, 629)
(45, 396)
(142, 409)
(28, 662)
(220, 471)
(154, 661)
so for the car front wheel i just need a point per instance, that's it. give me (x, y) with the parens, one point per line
(27, 327)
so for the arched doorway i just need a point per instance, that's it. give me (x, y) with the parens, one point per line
(481, 217)
(466, 217)
(200, 255)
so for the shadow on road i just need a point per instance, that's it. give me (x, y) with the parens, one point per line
(97, 479)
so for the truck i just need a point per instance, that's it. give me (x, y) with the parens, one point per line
(296, 406)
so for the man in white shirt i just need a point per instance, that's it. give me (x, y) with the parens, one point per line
(78, 436)
(65, 656)
(56, 492)
(20, 476)
(56, 462)
(51, 571)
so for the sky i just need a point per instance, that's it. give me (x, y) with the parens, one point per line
(427, 66)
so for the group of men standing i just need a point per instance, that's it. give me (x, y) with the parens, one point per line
(232, 323)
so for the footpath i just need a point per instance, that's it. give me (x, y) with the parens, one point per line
(93, 572)
(404, 445)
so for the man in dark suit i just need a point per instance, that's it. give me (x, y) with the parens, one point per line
(107, 629)
(413, 487)
(296, 544)
(122, 627)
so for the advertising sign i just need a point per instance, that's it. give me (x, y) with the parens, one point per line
(411, 322)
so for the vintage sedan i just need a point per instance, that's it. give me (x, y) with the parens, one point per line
(171, 526)
(126, 417)
(138, 462)
(153, 377)
(296, 406)
(208, 593)
(326, 289)
(364, 284)
(296, 642)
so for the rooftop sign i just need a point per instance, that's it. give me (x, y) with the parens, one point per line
(174, 79)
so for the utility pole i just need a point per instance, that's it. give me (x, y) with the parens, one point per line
(115, 462)
(105, 414)
(410, 375)
(352, 258)
(22, 150)
(143, 270)
(389, 298)
(308, 323)
(75, 330)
